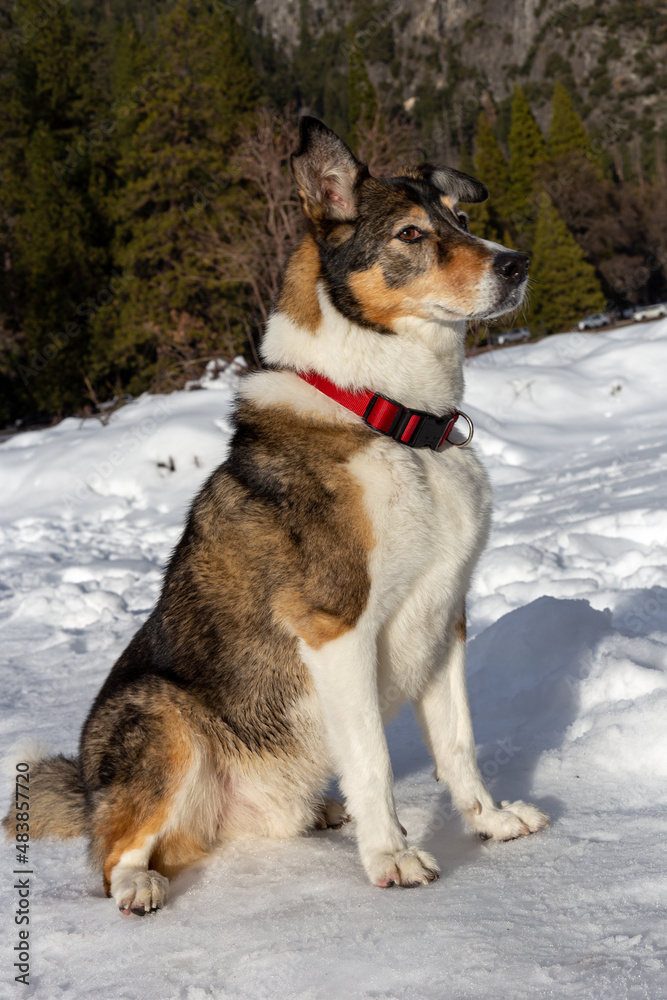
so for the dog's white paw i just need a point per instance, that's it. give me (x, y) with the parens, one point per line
(140, 892)
(409, 867)
(331, 814)
(508, 821)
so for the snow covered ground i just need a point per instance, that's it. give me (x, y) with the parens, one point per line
(568, 680)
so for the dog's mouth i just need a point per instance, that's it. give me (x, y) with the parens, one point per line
(511, 299)
(504, 301)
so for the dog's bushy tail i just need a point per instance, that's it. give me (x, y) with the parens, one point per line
(56, 797)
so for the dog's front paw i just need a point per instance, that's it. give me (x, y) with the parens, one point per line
(140, 892)
(409, 867)
(508, 821)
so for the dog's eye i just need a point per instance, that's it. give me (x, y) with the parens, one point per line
(410, 234)
(463, 219)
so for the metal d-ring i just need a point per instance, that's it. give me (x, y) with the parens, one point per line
(471, 431)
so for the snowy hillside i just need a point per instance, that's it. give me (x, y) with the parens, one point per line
(568, 680)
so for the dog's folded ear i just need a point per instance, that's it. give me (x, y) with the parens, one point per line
(454, 185)
(327, 173)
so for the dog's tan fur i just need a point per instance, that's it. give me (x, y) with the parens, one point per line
(298, 298)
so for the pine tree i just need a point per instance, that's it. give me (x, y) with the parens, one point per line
(490, 166)
(568, 139)
(362, 99)
(564, 284)
(489, 161)
(567, 134)
(173, 176)
(52, 202)
(528, 152)
(133, 66)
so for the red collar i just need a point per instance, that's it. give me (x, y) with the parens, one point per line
(415, 428)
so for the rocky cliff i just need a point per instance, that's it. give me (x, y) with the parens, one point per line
(444, 59)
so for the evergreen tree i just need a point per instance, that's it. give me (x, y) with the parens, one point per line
(528, 152)
(569, 142)
(51, 202)
(490, 166)
(133, 58)
(564, 284)
(362, 99)
(489, 161)
(173, 178)
(567, 134)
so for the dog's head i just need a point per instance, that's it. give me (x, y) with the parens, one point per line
(398, 246)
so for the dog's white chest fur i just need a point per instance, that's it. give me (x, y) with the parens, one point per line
(429, 515)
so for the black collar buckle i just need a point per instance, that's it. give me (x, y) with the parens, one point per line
(417, 428)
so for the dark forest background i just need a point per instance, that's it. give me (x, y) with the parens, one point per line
(146, 207)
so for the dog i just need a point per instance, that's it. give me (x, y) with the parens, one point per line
(320, 581)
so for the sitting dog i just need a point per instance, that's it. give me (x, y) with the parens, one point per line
(321, 578)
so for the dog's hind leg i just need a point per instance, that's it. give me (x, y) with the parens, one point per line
(154, 805)
(444, 713)
(143, 843)
(135, 887)
(138, 880)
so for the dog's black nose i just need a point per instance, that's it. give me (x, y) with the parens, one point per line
(511, 266)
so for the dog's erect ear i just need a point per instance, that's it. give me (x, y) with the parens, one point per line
(452, 184)
(459, 186)
(326, 172)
